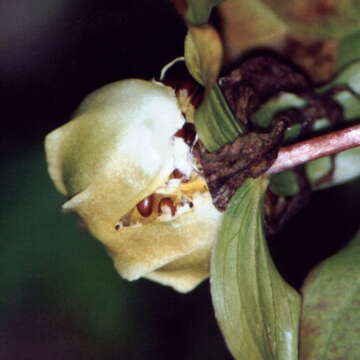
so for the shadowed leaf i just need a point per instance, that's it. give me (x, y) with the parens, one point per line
(257, 311)
(319, 18)
(245, 24)
(331, 314)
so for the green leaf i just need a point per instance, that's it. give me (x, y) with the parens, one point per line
(331, 313)
(350, 104)
(198, 11)
(284, 183)
(349, 50)
(258, 312)
(215, 122)
(347, 168)
(350, 77)
(317, 169)
(281, 102)
(248, 24)
(203, 54)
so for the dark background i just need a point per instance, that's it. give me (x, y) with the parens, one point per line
(60, 297)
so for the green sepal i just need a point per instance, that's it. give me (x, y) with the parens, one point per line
(330, 324)
(258, 312)
(215, 122)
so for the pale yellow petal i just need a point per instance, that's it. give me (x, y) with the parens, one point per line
(138, 250)
(130, 121)
(118, 149)
(186, 273)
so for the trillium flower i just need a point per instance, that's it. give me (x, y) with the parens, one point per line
(125, 163)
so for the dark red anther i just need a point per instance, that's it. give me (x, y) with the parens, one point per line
(176, 174)
(180, 133)
(167, 202)
(187, 132)
(190, 133)
(195, 92)
(196, 97)
(145, 206)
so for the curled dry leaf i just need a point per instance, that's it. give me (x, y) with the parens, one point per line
(116, 162)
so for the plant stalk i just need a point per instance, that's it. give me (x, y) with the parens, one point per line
(312, 149)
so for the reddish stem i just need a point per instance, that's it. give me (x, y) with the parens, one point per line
(328, 144)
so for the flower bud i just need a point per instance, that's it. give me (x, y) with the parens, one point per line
(115, 161)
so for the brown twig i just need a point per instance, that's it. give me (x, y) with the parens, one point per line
(328, 144)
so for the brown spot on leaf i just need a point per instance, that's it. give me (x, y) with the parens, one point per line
(309, 330)
(321, 306)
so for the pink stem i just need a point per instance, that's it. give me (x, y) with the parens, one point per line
(324, 145)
